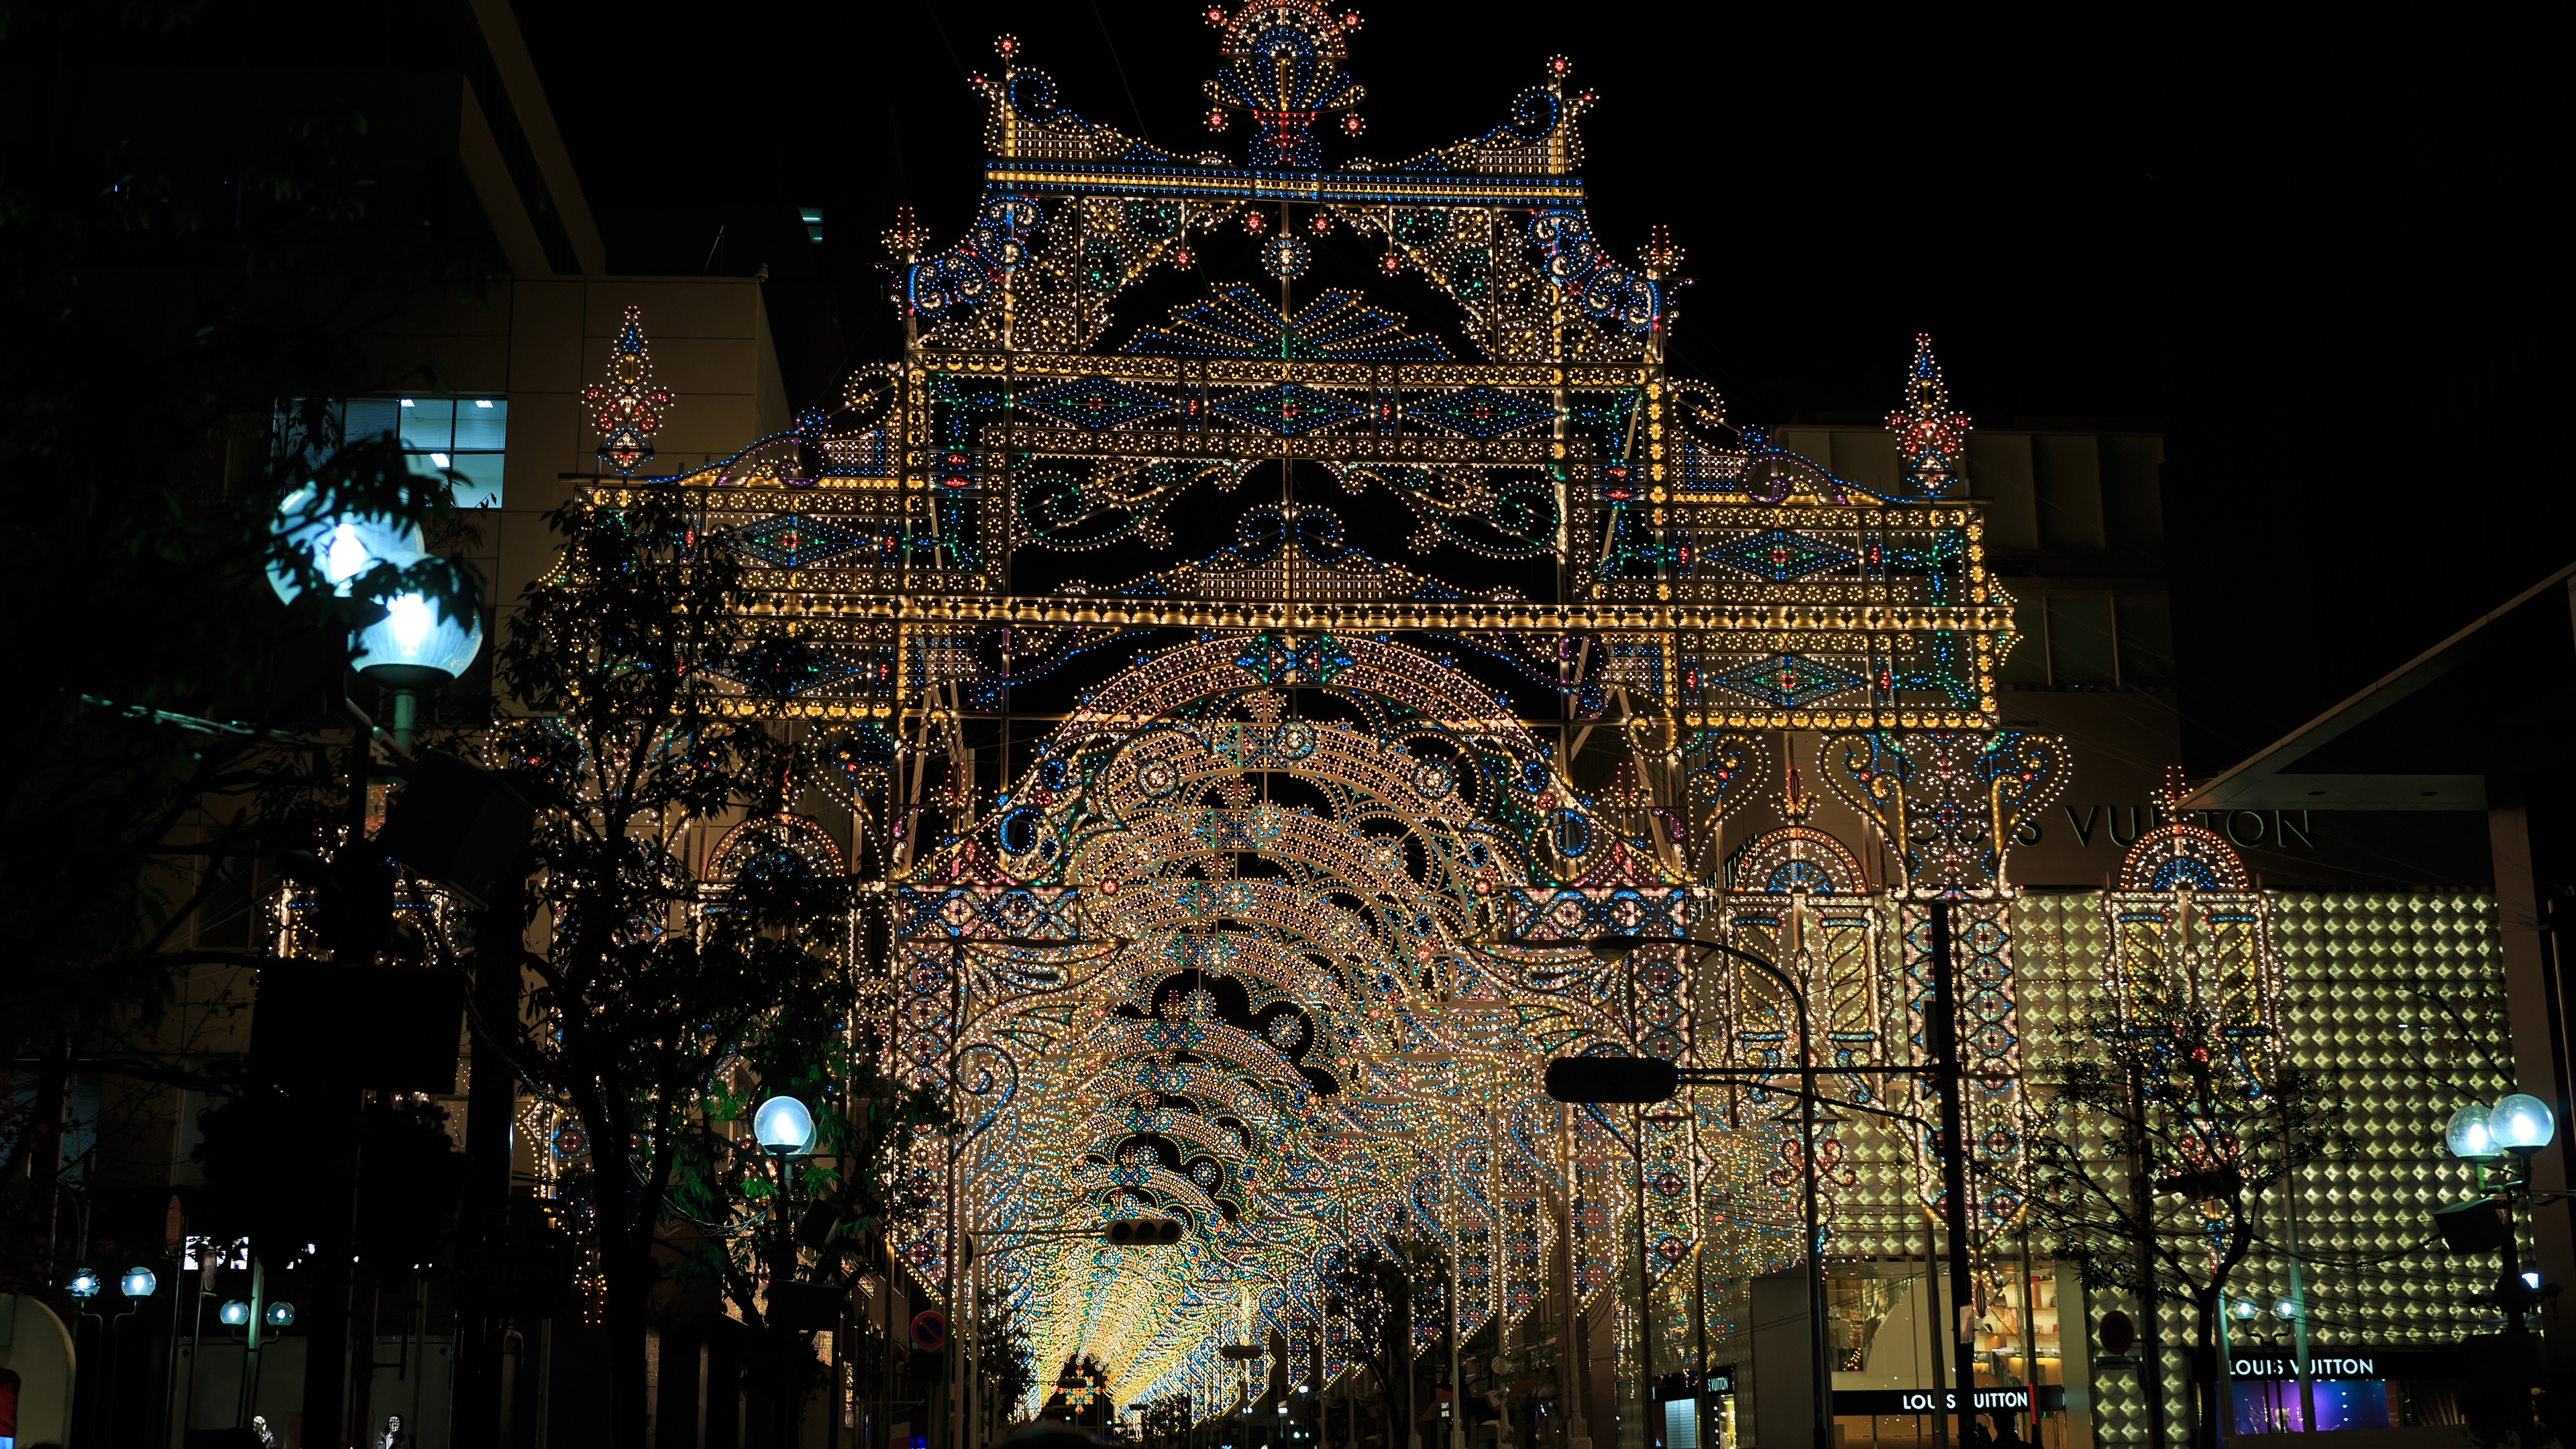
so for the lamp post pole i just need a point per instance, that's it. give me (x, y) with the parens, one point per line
(1942, 1036)
(782, 1127)
(782, 1260)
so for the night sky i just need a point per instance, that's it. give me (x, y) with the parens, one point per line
(2313, 254)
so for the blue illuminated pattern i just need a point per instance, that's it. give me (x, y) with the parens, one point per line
(1789, 681)
(2184, 870)
(787, 541)
(1236, 320)
(1481, 411)
(1778, 556)
(1094, 403)
(1289, 410)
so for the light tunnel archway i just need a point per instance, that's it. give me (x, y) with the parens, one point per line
(1262, 940)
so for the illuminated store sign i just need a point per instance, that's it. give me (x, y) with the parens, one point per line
(2318, 1368)
(2052, 1397)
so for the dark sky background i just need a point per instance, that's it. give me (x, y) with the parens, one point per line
(2311, 249)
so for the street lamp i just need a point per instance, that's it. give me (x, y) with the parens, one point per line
(281, 1314)
(341, 546)
(84, 1284)
(2517, 1126)
(784, 1128)
(2469, 1137)
(2521, 1124)
(417, 645)
(138, 1282)
(233, 1314)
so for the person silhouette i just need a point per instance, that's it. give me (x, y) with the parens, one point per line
(2008, 1430)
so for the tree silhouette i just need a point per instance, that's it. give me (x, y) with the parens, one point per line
(2213, 1125)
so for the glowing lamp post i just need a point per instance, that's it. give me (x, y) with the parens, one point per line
(2521, 1125)
(784, 1128)
(2497, 1143)
(416, 646)
(341, 547)
(2469, 1137)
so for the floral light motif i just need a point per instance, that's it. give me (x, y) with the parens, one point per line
(1283, 65)
(627, 409)
(1931, 440)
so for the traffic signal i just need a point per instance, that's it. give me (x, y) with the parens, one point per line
(1612, 1079)
(1143, 1232)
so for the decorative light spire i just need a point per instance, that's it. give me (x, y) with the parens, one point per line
(627, 409)
(906, 237)
(1931, 440)
(1662, 255)
(1283, 65)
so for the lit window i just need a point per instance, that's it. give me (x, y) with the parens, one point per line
(465, 438)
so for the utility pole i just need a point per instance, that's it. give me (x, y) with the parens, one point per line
(1942, 1035)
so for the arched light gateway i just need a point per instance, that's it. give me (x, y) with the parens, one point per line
(1238, 873)
(1307, 888)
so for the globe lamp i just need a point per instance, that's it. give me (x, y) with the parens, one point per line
(138, 1282)
(417, 645)
(2521, 1124)
(280, 1314)
(84, 1284)
(2469, 1135)
(233, 1314)
(341, 546)
(782, 1125)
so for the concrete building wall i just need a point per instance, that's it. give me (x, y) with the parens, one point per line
(538, 342)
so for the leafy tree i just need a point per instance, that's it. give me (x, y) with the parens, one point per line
(2213, 1127)
(1003, 1357)
(848, 1197)
(1379, 1294)
(666, 999)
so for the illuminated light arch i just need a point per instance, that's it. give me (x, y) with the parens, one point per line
(1698, 594)
(1327, 1049)
(2194, 941)
(799, 835)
